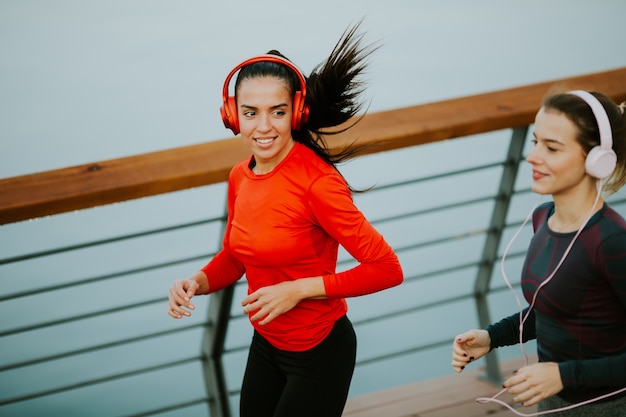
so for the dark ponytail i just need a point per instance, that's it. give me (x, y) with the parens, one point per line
(333, 96)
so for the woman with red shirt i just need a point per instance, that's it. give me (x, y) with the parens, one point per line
(289, 209)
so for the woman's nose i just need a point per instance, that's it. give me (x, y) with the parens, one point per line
(263, 122)
(532, 157)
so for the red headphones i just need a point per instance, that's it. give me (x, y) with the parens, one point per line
(229, 110)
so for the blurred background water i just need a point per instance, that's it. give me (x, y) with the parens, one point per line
(84, 81)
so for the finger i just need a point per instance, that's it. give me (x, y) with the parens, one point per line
(524, 397)
(462, 355)
(459, 359)
(179, 313)
(267, 319)
(260, 314)
(184, 290)
(192, 287)
(458, 366)
(458, 349)
(532, 401)
(174, 313)
(464, 337)
(250, 307)
(178, 287)
(176, 310)
(177, 293)
(251, 298)
(180, 298)
(514, 380)
(190, 293)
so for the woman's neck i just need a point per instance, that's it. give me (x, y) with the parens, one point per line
(571, 211)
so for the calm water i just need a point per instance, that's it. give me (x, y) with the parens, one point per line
(84, 81)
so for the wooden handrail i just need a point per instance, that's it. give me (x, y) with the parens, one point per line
(94, 184)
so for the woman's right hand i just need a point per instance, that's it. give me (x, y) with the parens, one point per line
(181, 292)
(468, 347)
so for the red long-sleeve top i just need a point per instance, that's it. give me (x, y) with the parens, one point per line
(288, 224)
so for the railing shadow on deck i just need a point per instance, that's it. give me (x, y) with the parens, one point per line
(483, 203)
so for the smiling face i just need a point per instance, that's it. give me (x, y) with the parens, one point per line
(265, 107)
(557, 159)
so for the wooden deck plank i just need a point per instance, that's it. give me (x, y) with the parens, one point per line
(448, 396)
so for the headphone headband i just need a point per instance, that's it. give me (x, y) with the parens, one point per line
(601, 160)
(264, 58)
(229, 109)
(602, 119)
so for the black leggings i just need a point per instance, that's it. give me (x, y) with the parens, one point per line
(313, 383)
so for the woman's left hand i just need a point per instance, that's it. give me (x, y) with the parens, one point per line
(533, 383)
(270, 302)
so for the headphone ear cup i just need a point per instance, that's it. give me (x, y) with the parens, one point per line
(300, 111)
(224, 116)
(600, 163)
(296, 117)
(229, 114)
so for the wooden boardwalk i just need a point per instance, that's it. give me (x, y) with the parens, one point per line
(449, 396)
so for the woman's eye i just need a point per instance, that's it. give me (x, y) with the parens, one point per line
(545, 145)
(248, 113)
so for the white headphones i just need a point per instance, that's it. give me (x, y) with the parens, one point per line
(601, 160)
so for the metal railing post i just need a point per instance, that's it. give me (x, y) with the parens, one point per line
(490, 251)
(213, 346)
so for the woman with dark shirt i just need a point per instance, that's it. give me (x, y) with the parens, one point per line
(574, 274)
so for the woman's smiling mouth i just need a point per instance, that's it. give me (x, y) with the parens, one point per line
(264, 141)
